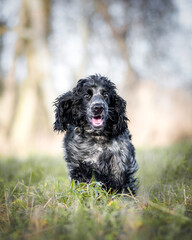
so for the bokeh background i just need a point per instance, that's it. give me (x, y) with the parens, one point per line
(143, 46)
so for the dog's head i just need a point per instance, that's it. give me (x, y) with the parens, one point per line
(93, 103)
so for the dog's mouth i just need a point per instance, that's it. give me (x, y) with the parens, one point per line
(97, 121)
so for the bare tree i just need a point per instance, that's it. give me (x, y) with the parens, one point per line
(130, 77)
(27, 100)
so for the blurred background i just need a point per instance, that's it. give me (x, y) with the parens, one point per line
(143, 46)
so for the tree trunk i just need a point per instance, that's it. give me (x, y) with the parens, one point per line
(130, 77)
(32, 43)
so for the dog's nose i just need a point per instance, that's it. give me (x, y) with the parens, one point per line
(97, 109)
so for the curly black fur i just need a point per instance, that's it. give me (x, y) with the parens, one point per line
(97, 141)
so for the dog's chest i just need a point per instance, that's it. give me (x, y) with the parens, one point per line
(97, 151)
(81, 149)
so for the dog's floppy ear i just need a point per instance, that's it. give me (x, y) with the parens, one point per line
(63, 111)
(119, 119)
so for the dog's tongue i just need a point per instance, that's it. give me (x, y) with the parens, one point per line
(97, 121)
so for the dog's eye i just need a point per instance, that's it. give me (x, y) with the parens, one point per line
(105, 95)
(88, 95)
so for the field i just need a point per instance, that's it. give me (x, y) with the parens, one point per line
(37, 201)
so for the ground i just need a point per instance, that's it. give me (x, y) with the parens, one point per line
(37, 201)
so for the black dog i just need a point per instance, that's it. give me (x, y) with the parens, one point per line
(97, 141)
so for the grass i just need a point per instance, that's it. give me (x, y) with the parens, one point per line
(37, 201)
